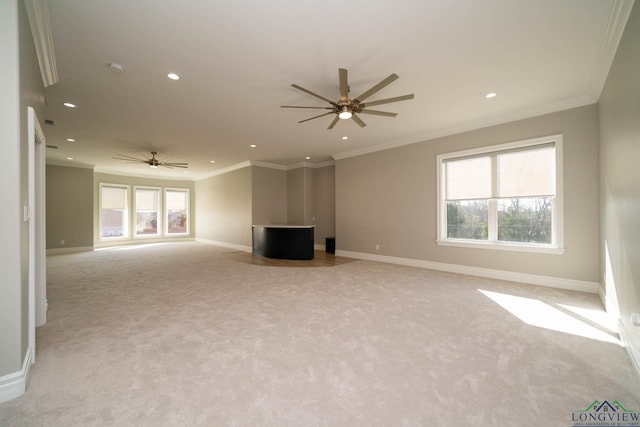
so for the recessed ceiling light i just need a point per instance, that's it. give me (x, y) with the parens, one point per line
(308, 158)
(173, 76)
(69, 104)
(212, 161)
(69, 158)
(490, 95)
(345, 137)
(253, 146)
(71, 140)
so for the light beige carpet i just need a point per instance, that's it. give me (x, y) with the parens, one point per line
(180, 335)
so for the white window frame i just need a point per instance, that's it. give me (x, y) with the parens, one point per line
(127, 223)
(166, 212)
(134, 213)
(557, 245)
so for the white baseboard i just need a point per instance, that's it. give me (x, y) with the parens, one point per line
(531, 279)
(15, 384)
(59, 251)
(632, 350)
(319, 247)
(226, 245)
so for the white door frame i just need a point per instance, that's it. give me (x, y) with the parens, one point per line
(34, 213)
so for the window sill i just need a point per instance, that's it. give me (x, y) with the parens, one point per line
(503, 246)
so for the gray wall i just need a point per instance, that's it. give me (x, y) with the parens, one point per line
(269, 195)
(296, 196)
(229, 203)
(389, 198)
(300, 196)
(223, 207)
(69, 207)
(21, 86)
(132, 181)
(324, 203)
(620, 179)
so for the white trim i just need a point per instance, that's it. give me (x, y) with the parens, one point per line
(632, 351)
(539, 110)
(619, 11)
(557, 246)
(159, 213)
(502, 246)
(267, 165)
(226, 170)
(319, 247)
(40, 23)
(127, 208)
(76, 249)
(15, 384)
(165, 228)
(310, 165)
(531, 279)
(225, 245)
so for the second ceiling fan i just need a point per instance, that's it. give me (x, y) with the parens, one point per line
(346, 108)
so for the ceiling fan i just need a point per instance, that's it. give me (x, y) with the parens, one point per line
(151, 161)
(347, 108)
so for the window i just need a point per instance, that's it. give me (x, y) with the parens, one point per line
(176, 211)
(506, 196)
(147, 207)
(114, 211)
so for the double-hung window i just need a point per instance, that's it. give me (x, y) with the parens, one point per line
(505, 196)
(114, 211)
(176, 211)
(148, 213)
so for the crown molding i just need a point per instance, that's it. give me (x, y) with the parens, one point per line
(40, 23)
(511, 116)
(267, 165)
(619, 11)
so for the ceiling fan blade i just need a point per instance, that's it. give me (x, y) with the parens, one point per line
(358, 120)
(175, 165)
(315, 117)
(377, 87)
(344, 85)
(314, 94)
(333, 123)
(386, 101)
(296, 106)
(125, 157)
(378, 113)
(131, 159)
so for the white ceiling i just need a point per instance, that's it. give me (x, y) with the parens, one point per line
(237, 60)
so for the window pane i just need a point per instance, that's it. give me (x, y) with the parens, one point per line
(468, 219)
(468, 179)
(526, 220)
(147, 207)
(113, 214)
(177, 211)
(527, 173)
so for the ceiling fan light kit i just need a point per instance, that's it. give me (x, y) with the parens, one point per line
(347, 108)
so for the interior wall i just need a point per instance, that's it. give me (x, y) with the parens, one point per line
(139, 181)
(21, 86)
(295, 196)
(69, 207)
(388, 198)
(223, 207)
(269, 195)
(324, 203)
(620, 180)
(11, 305)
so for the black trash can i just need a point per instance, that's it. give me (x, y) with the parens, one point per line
(330, 245)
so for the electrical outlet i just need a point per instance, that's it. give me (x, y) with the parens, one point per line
(377, 247)
(62, 242)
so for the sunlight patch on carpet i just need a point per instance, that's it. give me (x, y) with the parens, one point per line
(538, 313)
